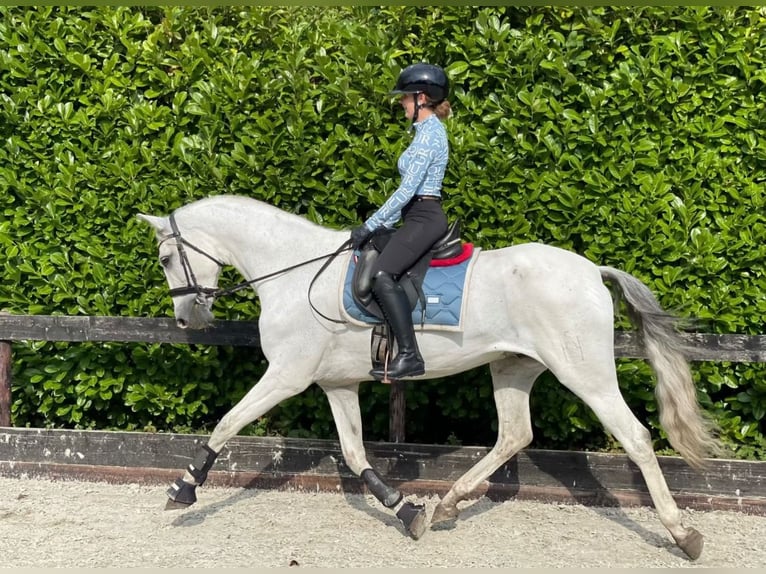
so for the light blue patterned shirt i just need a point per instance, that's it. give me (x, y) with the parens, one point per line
(421, 166)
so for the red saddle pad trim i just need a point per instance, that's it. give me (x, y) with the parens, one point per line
(464, 254)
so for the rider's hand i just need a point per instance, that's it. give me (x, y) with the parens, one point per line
(359, 235)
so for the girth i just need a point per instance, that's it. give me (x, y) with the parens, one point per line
(447, 247)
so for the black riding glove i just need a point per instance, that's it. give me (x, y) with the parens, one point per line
(359, 235)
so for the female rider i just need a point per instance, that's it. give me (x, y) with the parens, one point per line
(417, 202)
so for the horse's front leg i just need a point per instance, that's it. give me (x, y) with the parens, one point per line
(344, 403)
(276, 385)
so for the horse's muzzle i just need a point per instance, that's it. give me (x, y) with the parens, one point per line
(190, 315)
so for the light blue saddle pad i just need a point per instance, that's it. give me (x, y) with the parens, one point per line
(443, 290)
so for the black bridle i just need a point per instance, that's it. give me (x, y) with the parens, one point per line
(191, 280)
(205, 293)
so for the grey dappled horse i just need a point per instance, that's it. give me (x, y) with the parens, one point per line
(529, 308)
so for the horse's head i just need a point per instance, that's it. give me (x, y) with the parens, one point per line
(191, 271)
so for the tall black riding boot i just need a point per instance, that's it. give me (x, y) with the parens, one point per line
(396, 308)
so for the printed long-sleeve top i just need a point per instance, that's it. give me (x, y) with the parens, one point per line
(421, 166)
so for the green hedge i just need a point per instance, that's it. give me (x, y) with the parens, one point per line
(635, 136)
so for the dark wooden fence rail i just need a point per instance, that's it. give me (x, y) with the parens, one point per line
(704, 347)
(108, 329)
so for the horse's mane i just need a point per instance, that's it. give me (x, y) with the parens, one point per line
(238, 205)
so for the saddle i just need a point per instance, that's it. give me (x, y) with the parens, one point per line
(448, 247)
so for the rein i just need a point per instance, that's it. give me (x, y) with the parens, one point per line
(203, 293)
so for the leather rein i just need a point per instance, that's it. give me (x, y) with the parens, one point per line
(204, 293)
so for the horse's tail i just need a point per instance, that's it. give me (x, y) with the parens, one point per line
(689, 429)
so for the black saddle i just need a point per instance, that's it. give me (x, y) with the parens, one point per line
(450, 245)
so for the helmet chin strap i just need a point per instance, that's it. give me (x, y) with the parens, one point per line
(416, 97)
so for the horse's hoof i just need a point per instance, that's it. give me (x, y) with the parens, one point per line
(413, 516)
(441, 514)
(175, 505)
(692, 544)
(181, 495)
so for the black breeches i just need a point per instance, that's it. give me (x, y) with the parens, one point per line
(424, 224)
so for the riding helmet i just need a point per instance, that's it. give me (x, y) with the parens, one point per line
(427, 78)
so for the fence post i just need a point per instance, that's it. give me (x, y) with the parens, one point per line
(396, 412)
(5, 383)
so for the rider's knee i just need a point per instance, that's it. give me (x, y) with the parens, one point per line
(383, 280)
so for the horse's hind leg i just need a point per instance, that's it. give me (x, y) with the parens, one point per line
(636, 441)
(512, 379)
(610, 407)
(344, 403)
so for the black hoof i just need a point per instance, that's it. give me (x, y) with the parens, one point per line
(181, 495)
(413, 516)
(692, 544)
(449, 524)
(173, 505)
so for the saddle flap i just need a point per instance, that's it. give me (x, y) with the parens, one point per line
(361, 286)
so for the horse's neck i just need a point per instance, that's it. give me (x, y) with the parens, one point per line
(258, 239)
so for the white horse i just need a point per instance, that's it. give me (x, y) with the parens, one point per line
(529, 308)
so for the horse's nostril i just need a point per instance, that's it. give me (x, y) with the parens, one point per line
(181, 323)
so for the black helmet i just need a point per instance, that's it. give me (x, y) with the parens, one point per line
(426, 78)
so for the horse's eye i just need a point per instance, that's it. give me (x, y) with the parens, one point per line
(164, 260)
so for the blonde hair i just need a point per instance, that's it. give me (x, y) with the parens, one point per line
(443, 109)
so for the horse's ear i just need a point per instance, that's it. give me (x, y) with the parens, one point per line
(161, 224)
